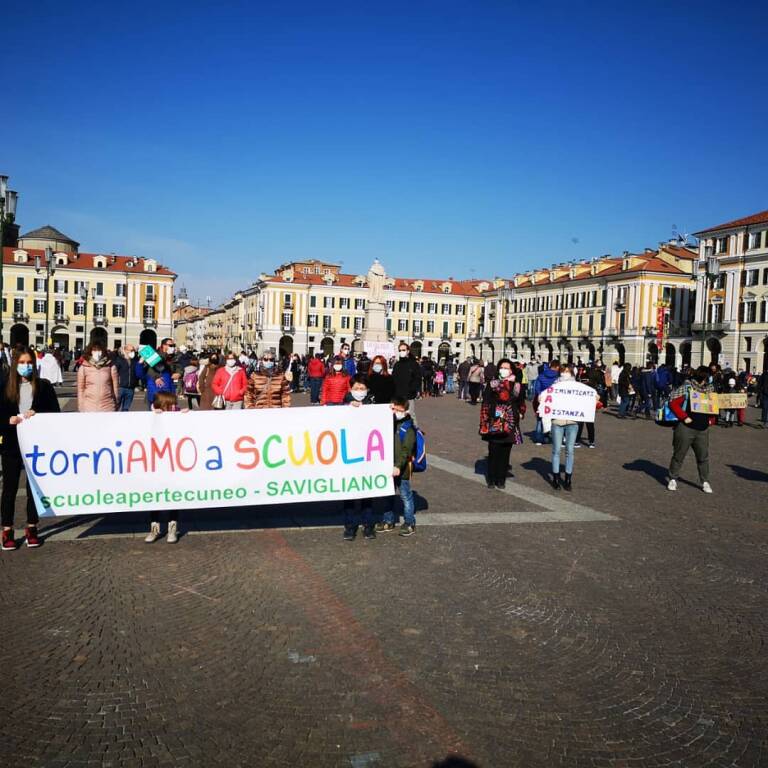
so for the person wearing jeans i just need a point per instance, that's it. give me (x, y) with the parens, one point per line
(563, 429)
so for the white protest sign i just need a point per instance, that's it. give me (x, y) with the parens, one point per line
(95, 463)
(384, 348)
(568, 401)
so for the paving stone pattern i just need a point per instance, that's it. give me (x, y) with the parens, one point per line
(635, 641)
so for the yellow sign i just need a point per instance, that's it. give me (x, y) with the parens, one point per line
(736, 400)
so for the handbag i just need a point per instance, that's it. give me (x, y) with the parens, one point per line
(219, 403)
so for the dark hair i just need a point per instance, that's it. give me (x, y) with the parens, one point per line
(404, 344)
(165, 341)
(401, 401)
(554, 364)
(507, 361)
(92, 346)
(701, 373)
(358, 378)
(165, 401)
(13, 385)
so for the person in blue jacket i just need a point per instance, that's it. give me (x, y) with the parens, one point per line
(350, 368)
(548, 375)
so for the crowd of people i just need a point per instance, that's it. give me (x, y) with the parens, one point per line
(179, 379)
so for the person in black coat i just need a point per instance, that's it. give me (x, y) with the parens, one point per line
(406, 374)
(381, 385)
(22, 395)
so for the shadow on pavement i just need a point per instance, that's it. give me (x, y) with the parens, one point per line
(541, 466)
(455, 761)
(656, 471)
(745, 473)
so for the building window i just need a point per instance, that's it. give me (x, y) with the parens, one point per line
(100, 290)
(402, 325)
(749, 311)
(39, 305)
(460, 309)
(313, 301)
(755, 240)
(418, 325)
(19, 283)
(458, 328)
(418, 307)
(359, 303)
(118, 310)
(120, 290)
(748, 343)
(287, 300)
(39, 284)
(79, 308)
(312, 321)
(402, 306)
(432, 309)
(345, 322)
(343, 302)
(149, 311)
(359, 321)
(327, 323)
(430, 326)
(58, 308)
(445, 328)
(751, 276)
(390, 305)
(328, 302)
(446, 309)
(18, 306)
(721, 244)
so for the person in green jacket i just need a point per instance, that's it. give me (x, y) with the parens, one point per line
(405, 444)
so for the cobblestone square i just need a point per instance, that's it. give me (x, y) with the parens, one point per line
(619, 625)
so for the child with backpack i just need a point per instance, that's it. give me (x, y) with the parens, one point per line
(190, 383)
(405, 445)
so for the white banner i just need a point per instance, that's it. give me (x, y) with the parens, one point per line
(568, 400)
(384, 348)
(94, 463)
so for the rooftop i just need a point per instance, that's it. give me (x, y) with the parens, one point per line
(113, 263)
(755, 218)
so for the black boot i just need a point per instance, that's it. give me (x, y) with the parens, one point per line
(567, 481)
(556, 481)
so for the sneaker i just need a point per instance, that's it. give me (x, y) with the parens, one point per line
(537, 443)
(407, 530)
(9, 543)
(577, 445)
(154, 533)
(349, 534)
(173, 532)
(706, 487)
(30, 536)
(385, 527)
(591, 445)
(672, 484)
(369, 532)
(501, 485)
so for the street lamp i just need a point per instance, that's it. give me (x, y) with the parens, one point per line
(8, 200)
(84, 299)
(711, 265)
(50, 269)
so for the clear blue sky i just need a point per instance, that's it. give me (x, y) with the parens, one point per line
(445, 138)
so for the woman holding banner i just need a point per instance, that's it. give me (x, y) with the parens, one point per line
(503, 398)
(22, 395)
(563, 431)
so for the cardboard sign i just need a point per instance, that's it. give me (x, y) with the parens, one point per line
(568, 400)
(96, 463)
(735, 400)
(704, 402)
(384, 348)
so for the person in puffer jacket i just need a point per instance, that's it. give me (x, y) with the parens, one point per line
(335, 384)
(267, 386)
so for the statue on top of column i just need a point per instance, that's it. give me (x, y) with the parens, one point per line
(376, 275)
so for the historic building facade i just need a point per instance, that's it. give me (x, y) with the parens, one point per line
(731, 322)
(53, 293)
(630, 308)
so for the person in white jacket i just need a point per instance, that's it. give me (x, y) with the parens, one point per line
(50, 369)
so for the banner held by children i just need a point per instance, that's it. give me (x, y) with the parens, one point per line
(96, 463)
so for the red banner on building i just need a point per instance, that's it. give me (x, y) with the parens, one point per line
(661, 317)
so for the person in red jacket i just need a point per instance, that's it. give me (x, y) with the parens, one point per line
(335, 384)
(315, 374)
(231, 382)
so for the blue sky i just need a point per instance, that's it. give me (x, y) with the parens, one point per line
(459, 139)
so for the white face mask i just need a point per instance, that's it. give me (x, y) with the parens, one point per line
(378, 367)
(403, 353)
(359, 394)
(400, 415)
(95, 356)
(337, 366)
(230, 363)
(565, 375)
(171, 350)
(504, 373)
(731, 382)
(131, 355)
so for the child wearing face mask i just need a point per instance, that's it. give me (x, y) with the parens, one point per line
(97, 381)
(358, 396)
(335, 384)
(404, 436)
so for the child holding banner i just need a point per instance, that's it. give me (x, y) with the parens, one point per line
(22, 396)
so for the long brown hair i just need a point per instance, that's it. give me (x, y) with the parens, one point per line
(384, 366)
(13, 385)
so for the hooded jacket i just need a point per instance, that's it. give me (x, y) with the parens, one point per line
(546, 378)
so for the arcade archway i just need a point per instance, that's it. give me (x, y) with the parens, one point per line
(19, 335)
(285, 346)
(148, 336)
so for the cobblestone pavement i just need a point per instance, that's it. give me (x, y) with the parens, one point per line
(503, 632)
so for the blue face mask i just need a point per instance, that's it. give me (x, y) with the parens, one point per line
(268, 364)
(24, 369)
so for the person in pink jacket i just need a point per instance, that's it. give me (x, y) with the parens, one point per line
(230, 381)
(97, 381)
